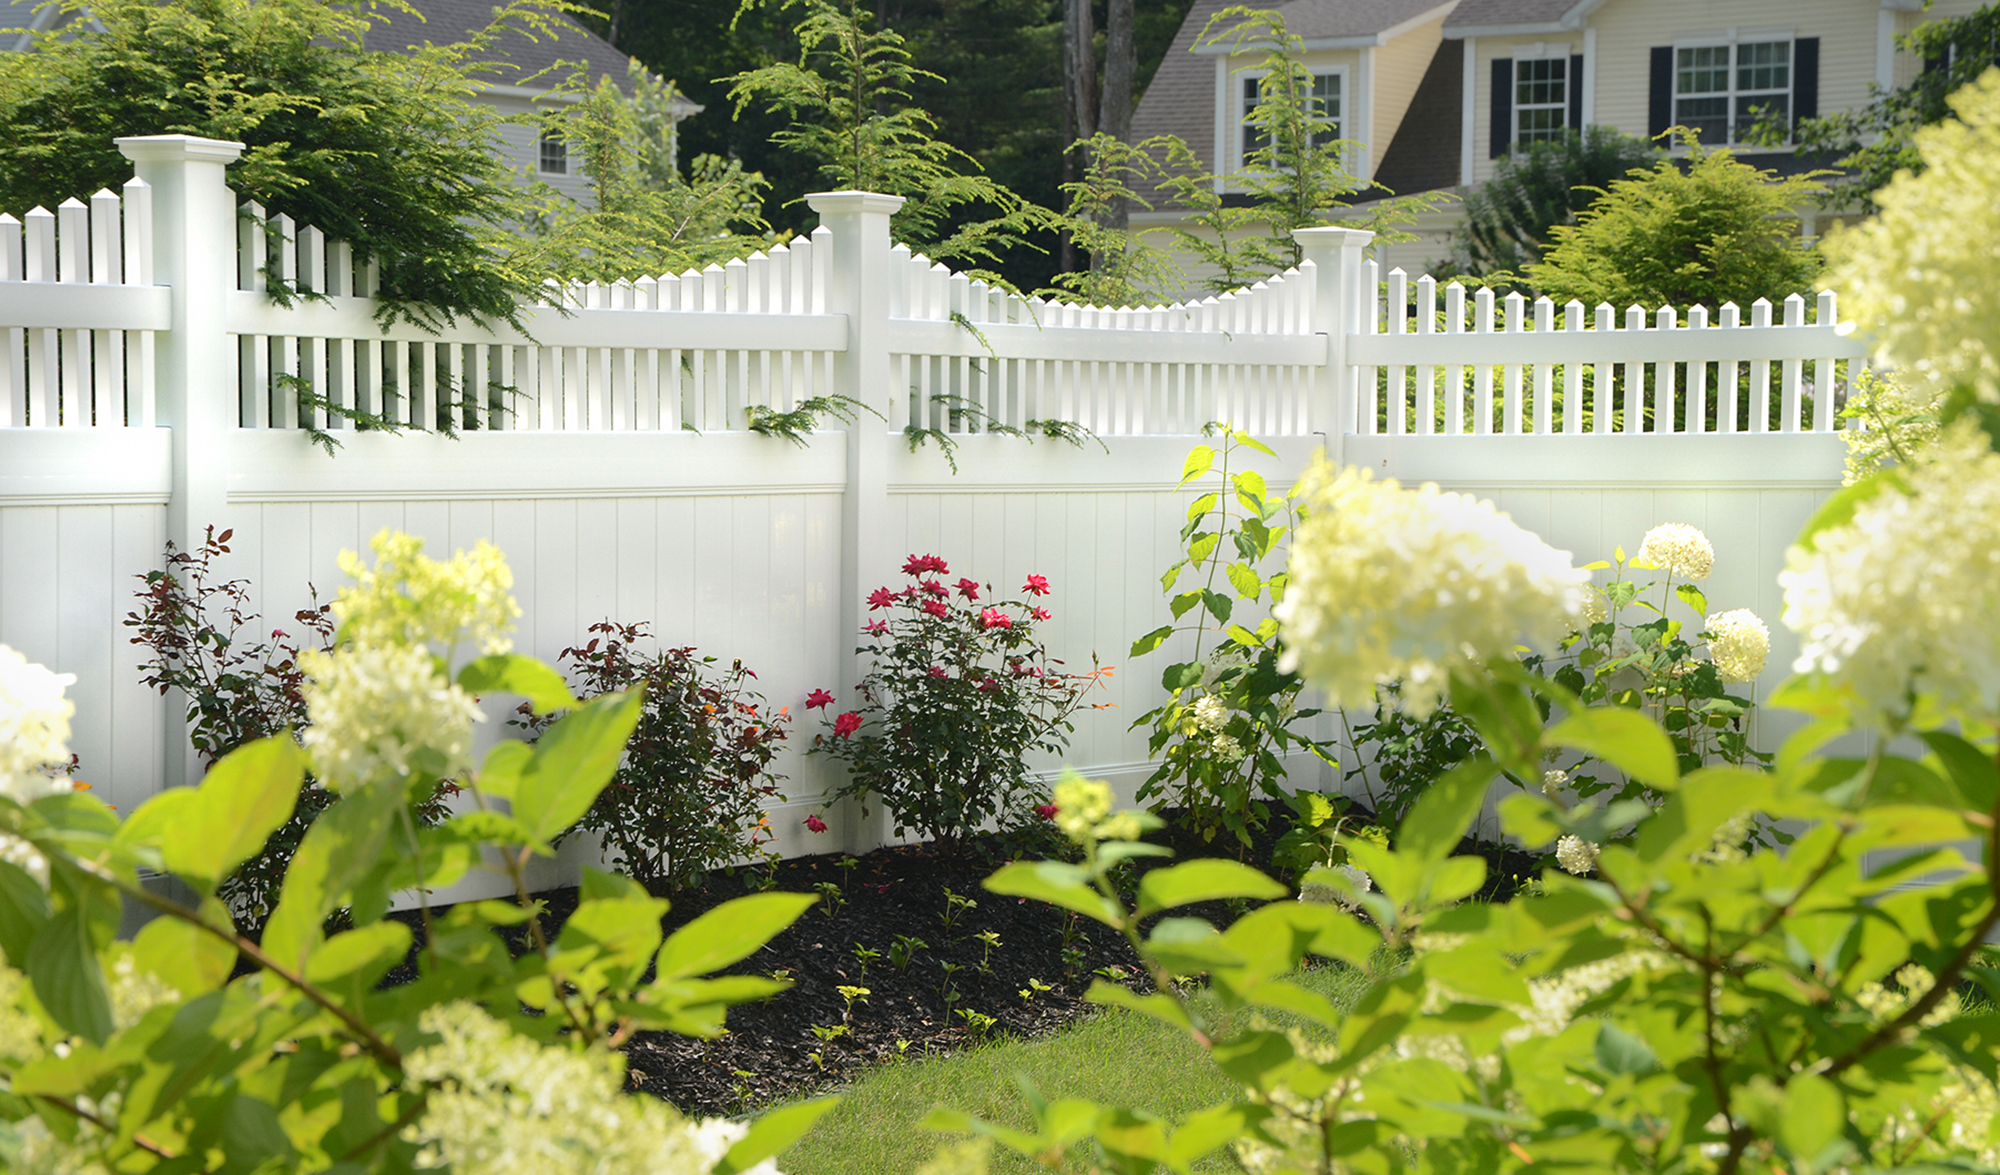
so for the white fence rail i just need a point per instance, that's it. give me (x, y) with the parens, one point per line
(151, 386)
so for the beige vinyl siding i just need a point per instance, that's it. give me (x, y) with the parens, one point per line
(1346, 61)
(1627, 31)
(1399, 69)
(1909, 65)
(1489, 49)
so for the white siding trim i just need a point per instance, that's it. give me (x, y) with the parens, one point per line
(1225, 126)
(1364, 118)
(1589, 81)
(1468, 109)
(1885, 50)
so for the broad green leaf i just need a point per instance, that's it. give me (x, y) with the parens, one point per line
(341, 848)
(1250, 442)
(370, 950)
(1203, 546)
(63, 968)
(1438, 820)
(1209, 1129)
(772, 1133)
(1181, 676)
(619, 933)
(1815, 1114)
(1180, 604)
(1057, 883)
(1172, 576)
(1970, 769)
(185, 957)
(1163, 1008)
(1626, 739)
(1299, 1001)
(243, 800)
(1839, 509)
(1189, 946)
(1206, 879)
(1219, 605)
(731, 931)
(1251, 488)
(1620, 1052)
(24, 910)
(147, 827)
(1201, 506)
(1151, 641)
(1244, 636)
(513, 673)
(1245, 580)
(573, 761)
(1692, 597)
(1200, 460)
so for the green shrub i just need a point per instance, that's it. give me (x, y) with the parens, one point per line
(1509, 218)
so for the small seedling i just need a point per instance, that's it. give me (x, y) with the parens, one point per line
(817, 1060)
(852, 995)
(864, 956)
(955, 907)
(1073, 959)
(847, 865)
(902, 1046)
(1035, 987)
(904, 949)
(1113, 972)
(948, 991)
(830, 896)
(828, 1033)
(978, 1024)
(987, 939)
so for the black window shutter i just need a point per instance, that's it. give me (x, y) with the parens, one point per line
(1805, 79)
(1503, 105)
(1660, 97)
(1576, 91)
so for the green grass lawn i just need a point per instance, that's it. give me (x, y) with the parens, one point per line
(1114, 1056)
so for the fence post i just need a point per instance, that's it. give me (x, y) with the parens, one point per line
(1336, 254)
(194, 253)
(858, 287)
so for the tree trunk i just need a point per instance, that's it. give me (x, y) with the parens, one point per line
(1121, 65)
(617, 17)
(1079, 98)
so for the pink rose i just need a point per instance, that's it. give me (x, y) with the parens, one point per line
(995, 618)
(815, 824)
(968, 588)
(937, 608)
(875, 627)
(818, 699)
(1037, 585)
(881, 597)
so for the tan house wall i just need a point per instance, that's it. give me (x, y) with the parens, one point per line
(1398, 69)
(1480, 86)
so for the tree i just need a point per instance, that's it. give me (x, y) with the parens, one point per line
(1508, 219)
(1715, 231)
(387, 151)
(1874, 143)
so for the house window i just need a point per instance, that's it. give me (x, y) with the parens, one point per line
(1325, 105)
(1541, 99)
(555, 154)
(1725, 90)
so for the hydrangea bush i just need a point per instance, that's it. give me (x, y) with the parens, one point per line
(959, 694)
(148, 1056)
(1697, 1005)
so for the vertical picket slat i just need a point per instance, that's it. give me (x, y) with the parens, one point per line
(1604, 392)
(137, 197)
(1760, 372)
(1517, 323)
(1635, 377)
(1399, 324)
(1545, 323)
(1725, 373)
(39, 265)
(1482, 376)
(1573, 372)
(107, 347)
(1427, 382)
(1371, 281)
(1697, 387)
(1665, 321)
(13, 367)
(72, 266)
(253, 352)
(1795, 315)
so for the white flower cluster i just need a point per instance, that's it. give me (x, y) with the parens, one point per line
(1329, 895)
(1208, 715)
(1931, 305)
(1577, 855)
(377, 709)
(507, 1105)
(1739, 644)
(1389, 584)
(34, 728)
(1553, 781)
(410, 599)
(1225, 748)
(1677, 549)
(1557, 997)
(1903, 594)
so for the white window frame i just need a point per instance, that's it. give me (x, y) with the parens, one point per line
(543, 142)
(1560, 106)
(1239, 106)
(1733, 93)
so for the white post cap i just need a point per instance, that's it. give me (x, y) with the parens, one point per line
(174, 148)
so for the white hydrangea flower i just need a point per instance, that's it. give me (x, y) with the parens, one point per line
(1595, 610)
(506, 1105)
(34, 728)
(25, 856)
(1328, 895)
(1739, 644)
(374, 708)
(1225, 748)
(1553, 780)
(1904, 593)
(1210, 713)
(1577, 855)
(1080, 804)
(1677, 549)
(1905, 276)
(410, 599)
(1390, 584)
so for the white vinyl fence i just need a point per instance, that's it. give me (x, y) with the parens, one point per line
(152, 386)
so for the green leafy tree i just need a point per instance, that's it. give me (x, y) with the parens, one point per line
(1717, 230)
(1875, 142)
(1122, 269)
(847, 99)
(387, 151)
(1508, 218)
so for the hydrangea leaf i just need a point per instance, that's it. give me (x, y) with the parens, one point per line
(1207, 879)
(513, 673)
(240, 803)
(1626, 739)
(772, 1133)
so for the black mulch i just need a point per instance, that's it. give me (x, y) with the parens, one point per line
(932, 1003)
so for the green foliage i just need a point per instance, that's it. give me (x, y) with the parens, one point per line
(691, 793)
(645, 218)
(1123, 269)
(147, 1057)
(959, 693)
(1678, 1012)
(847, 102)
(1508, 218)
(387, 151)
(1222, 734)
(1896, 425)
(1715, 231)
(1871, 144)
(797, 424)
(1403, 755)
(1291, 179)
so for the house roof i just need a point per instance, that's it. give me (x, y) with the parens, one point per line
(1482, 17)
(1333, 24)
(521, 60)
(1180, 100)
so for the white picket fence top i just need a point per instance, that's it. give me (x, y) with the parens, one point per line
(1425, 356)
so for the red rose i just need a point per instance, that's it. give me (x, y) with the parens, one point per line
(1040, 613)
(881, 597)
(995, 618)
(1046, 811)
(937, 672)
(933, 588)
(815, 824)
(846, 724)
(875, 627)
(988, 686)
(817, 699)
(1037, 585)
(919, 564)
(968, 588)
(937, 608)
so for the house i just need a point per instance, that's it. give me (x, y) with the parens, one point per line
(526, 71)
(1433, 95)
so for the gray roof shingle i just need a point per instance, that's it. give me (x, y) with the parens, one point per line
(1494, 13)
(519, 58)
(1329, 19)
